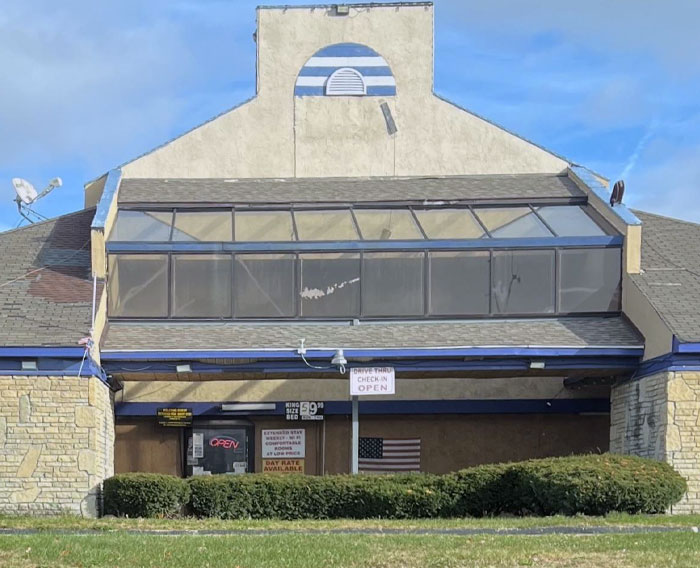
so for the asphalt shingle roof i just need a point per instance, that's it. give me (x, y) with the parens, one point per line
(670, 276)
(344, 190)
(554, 332)
(45, 283)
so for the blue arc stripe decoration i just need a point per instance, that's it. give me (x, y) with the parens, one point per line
(362, 59)
(327, 71)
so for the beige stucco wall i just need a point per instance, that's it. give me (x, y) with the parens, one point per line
(658, 417)
(259, 390)
(279, 135)
(56, 444)
(658, 338)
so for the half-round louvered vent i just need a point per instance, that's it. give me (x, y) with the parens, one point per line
(346, 81)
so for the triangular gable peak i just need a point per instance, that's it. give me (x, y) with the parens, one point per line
(345, 96)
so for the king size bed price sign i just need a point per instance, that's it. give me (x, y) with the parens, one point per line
(371, 380)
(308, 410)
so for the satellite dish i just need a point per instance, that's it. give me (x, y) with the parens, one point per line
(27, 195)
(25, 191)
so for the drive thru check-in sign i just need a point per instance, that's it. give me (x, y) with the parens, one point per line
(371, 380)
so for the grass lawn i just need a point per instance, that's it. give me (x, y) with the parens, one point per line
(111, 546)
(327, 551)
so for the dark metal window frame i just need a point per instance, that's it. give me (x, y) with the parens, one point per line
(426, 250)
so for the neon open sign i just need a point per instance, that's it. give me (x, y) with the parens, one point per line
(224, 442)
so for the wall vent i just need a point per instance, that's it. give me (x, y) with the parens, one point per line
(346, 81)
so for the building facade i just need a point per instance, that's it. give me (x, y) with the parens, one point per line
(346, 217)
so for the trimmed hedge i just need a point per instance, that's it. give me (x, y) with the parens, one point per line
(591, 485)
(145, 495)
(597, 485)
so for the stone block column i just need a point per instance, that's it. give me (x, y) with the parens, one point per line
(659, 417)
(56, 444)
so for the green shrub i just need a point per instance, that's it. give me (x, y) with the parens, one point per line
(311, 497)
(479, 491)
(590, 485)
(145, 495)
(596, 485)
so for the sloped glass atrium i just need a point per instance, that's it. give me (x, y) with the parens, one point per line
(359, 261)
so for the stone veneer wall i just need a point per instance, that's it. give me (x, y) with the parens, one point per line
(56, 444)
(659, 417)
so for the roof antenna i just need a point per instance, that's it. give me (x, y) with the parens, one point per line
(617, 193)
(27, 195)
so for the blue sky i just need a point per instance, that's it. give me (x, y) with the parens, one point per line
(609, 84)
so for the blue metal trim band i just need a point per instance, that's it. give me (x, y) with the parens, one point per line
(111, 185)
(622, 364)
(681, 347)
(59, 352)
(54, 367)
(108, 355)
(667, 363)
(438, 244)
(400, 407)
(602, 193)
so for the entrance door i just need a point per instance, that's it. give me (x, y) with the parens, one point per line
(219, 448)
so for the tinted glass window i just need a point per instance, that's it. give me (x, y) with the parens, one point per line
(449, 224)
(523, 282)
(264, 226)
(570, 221)
(263, 285)
(386, 224)
(459, 283)
(142, 226)
(201, 286)
(392, 284)
(589, 280)
(203, 226)
(512, 222)
(330, 285)
(329, 225)
(138, 285)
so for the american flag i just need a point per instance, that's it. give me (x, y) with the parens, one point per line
(389, 455)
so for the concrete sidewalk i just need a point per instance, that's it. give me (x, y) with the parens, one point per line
(538, 531)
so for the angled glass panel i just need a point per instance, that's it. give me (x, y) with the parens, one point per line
(387, 224)
(263, 285)
(570, 221)
(263, 226)
(330, 285)
(142, 226)
(512, 222)
(138, 285)
(201, 286)
(523, 282)
(328, 225)
(459, 283)
(203, 226)
(449, 224)
(589, 280)
(392, 284)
